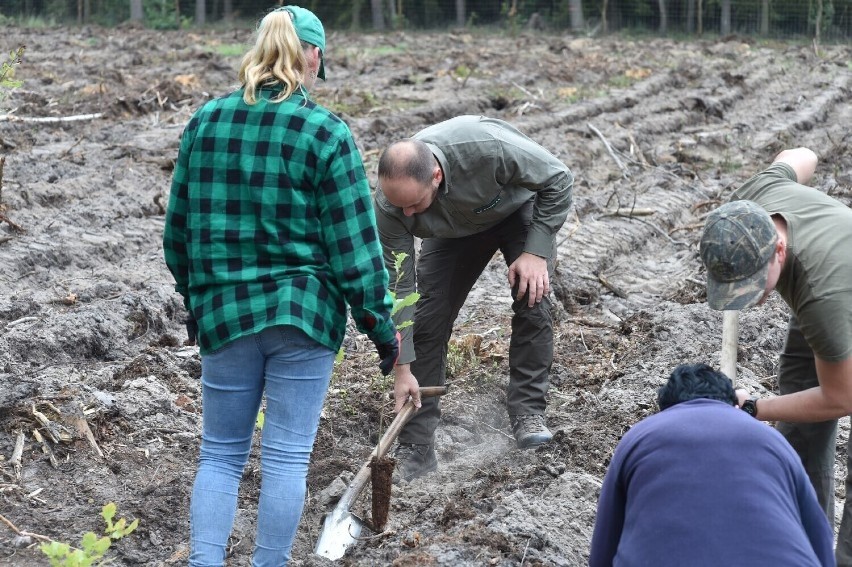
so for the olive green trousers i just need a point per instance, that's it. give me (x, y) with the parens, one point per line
(447, 269)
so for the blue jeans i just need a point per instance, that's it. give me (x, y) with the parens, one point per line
(294, 371)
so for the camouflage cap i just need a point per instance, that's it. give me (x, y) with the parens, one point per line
(736, 246)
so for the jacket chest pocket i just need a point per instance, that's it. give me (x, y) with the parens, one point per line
(485, 208)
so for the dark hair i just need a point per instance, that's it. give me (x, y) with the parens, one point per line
(694, 381)
(407, 158)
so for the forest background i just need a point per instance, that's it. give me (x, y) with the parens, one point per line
(820, 20)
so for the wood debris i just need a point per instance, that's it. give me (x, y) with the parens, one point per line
(83, 429)
(49, 119)
(624, 173)
(45, 448)
(629, 212)
(56, 432)
(611, 286)
(16, 455)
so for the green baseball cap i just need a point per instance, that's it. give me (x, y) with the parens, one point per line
(309, 29)
(737, 243)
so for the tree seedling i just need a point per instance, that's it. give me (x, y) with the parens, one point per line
(92, 548)
(7, 71)
(410, 299)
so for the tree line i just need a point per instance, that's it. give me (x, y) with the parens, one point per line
(772, 18)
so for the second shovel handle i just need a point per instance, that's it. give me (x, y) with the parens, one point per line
(730, 338)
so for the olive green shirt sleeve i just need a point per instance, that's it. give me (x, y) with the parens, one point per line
(526, 165)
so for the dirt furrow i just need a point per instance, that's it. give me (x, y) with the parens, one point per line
(89, 317)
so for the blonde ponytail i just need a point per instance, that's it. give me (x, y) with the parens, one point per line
(278, 57)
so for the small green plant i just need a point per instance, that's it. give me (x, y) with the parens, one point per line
(620, 81)
(347, 403)
(92, 548)
(458, 359)
(461, 73)
(7, 72)
(379, 383)
(515, 22)
(408, 300)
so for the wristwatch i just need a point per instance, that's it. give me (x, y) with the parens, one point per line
(750, 406)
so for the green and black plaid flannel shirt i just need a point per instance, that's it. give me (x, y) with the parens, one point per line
(270, 222)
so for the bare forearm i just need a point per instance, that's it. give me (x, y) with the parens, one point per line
(802, 160)
(806, 406)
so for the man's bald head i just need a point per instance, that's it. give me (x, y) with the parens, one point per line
(408, 158)
(409, 176)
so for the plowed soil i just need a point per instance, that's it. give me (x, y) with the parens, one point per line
(657, 133)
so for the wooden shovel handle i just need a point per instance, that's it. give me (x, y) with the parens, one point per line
(401, 419)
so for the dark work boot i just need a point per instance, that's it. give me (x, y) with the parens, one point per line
(413, 460)
(530, 431)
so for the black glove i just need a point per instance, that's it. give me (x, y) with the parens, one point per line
(389, 353)
(191, 331)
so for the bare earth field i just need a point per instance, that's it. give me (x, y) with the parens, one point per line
(90, 326)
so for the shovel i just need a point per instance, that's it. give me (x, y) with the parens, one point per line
(730, 336)
(341, 527)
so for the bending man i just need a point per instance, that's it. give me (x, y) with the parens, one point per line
(780, 235)
(468, 187)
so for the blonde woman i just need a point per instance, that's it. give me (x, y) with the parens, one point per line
(269, 234)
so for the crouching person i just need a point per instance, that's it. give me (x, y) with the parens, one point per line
(703, 483)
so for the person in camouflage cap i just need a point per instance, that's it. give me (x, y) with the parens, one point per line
(777, 234)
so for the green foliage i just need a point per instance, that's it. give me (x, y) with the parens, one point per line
(408, 300)
(620, 81)
(379, 383)
(384, 50)
(162, 15)
(826, 18)
(7, 72)
(462, 72)
(346, 403)
(92, 548)
(514, 20)
(31, 22)
(459, 359)
(399, 22)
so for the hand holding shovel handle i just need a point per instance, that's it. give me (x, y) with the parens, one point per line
(402, 418)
